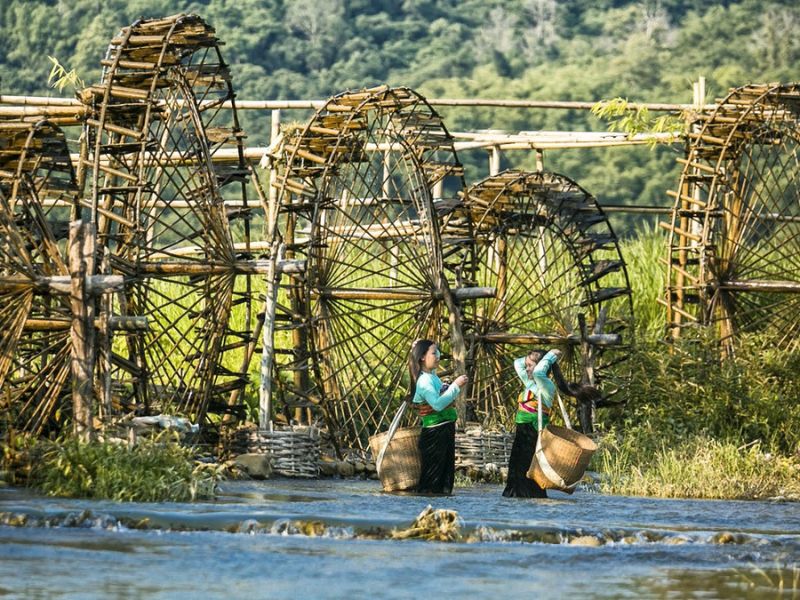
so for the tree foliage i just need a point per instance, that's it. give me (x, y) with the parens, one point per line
(645, 51)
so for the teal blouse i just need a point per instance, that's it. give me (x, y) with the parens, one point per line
(428, 387)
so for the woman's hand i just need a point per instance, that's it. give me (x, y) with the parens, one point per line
(461, 381)
(557, 352)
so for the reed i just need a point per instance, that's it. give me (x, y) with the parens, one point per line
(695, 426)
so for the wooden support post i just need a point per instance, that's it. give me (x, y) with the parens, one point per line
(438, 189)
(539, 160)
(81, 259)
(494, 160)
(386, 184)
(274, 132)
(267, 343)
(458, 346)
(586, 410)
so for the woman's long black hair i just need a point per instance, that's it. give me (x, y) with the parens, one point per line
(418, 350)
(576, 390)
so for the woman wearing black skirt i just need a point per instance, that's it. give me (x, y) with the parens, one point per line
(534, 370)
(434, 402)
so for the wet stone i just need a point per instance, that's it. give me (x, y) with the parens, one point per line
(676, 541)
(327, 468)
(586, 540)
(726, 537)
(345, 469)
(257, 466)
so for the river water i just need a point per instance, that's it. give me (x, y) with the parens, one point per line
(254, 541)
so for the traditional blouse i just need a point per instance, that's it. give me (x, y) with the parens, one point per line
(435, 408)
(538, 386)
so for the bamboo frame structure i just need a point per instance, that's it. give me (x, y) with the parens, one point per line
(367, 244)
(35, 363)
(734, 235)
(355, 198)
(152, 128)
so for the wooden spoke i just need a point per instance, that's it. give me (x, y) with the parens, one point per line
(34, 364)
(356, 193)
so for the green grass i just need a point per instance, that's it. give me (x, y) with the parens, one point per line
(152, 471)
(643, 254)
(696, 467)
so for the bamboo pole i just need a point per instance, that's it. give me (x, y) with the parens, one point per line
(81, 257)
(267, 344)
(458, 346)
(604, 339)
(456, 102)
(754, 285)
(389, 293)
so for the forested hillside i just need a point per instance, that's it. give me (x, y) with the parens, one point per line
(528, 49)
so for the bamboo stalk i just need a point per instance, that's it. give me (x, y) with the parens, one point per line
(81, 253)
(755, 285)
(253, 267)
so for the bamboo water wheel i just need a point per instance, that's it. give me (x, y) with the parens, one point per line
(547, 247)
(156, 198)
(356, 184)
(35, 315)
(734, 236)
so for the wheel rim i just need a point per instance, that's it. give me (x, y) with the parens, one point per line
(35, 325)
(373, 248)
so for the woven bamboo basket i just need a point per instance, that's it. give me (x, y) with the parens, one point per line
(568, 453)
(477, 448)
(293, 452)
(401, 466)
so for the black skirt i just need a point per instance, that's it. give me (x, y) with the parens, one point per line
(518, 485)
(437, 446)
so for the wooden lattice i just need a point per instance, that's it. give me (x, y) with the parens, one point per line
(356, 185)
(156, 196)
(35, 314)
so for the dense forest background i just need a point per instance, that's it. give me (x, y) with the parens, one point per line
(648, 51)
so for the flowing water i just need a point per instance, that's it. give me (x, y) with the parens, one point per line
(329, 539)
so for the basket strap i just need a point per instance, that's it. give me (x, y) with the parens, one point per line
(563, 411)
(539, 416)
(547, 468)
(392, 430)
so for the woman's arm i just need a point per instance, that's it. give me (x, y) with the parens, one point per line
(429, 392)
(543, 366)
(522, 371)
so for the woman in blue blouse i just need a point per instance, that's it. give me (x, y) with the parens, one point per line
(534, 370)
(434, 402)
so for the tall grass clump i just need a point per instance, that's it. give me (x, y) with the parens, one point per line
(154, 470)
(698, 467)
(643, 255)
(698, 426)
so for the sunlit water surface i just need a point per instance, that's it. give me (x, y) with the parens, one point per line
(249, 543)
